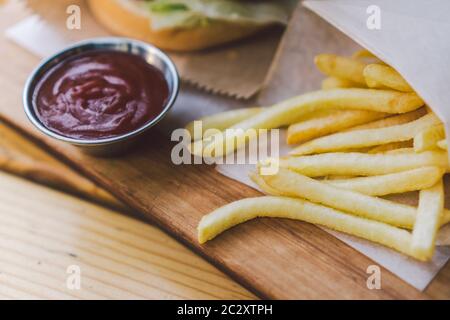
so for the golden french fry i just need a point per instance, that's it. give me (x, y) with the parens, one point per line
(318, 114)
(429, 216)
(362, 164)
(401, 151)
(442, 144)
(333, 83)
(446, 217)
(222, 120)
(363, 53)
(244, 210)
(368, 137)
(330, 123)
(290, 111)
(400, 182)
(428, 138)
(383, 77)
(393, 146)
(259, 181)
(392, 121)
(335, 177)
(294, 184)
(341, 67)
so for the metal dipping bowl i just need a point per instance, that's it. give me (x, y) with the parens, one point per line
(119, 144)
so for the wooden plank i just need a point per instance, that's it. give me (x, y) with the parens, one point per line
(21, 156)
(274, 258)
(42, 232)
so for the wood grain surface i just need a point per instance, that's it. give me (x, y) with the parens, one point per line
(43, 232)
(273, 258)
(21, 156)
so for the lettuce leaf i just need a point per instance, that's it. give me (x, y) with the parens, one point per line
(192, 13)
(165, 7)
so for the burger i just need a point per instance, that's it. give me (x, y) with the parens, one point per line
(187, 25)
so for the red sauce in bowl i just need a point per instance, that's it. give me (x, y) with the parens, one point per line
(100, 94)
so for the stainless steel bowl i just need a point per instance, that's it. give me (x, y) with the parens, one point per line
(118, 144)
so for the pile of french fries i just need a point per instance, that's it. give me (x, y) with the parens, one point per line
(364, 135)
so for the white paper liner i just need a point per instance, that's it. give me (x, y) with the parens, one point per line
(37, 29)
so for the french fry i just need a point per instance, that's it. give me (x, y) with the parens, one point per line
(401, 151)
(341, 67)
(428, 138)
(391, 146)
(442, 144)
(335, 177)
(368, 137)
(446, 217)
(366, 57)
(290, 111)
(319, 114)
(392, 120)
(294, 184)
(223, 120)
(405, 181)
(334, 83)
(259, 181)
(383, 77)
(429, 215)
(329, 123)
(362, 164)
(244, 210)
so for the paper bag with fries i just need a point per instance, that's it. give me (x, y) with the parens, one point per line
(366, 143)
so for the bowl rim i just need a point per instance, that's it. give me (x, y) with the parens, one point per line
(87, 46)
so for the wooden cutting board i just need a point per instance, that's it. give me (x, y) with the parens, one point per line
(273, 258)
